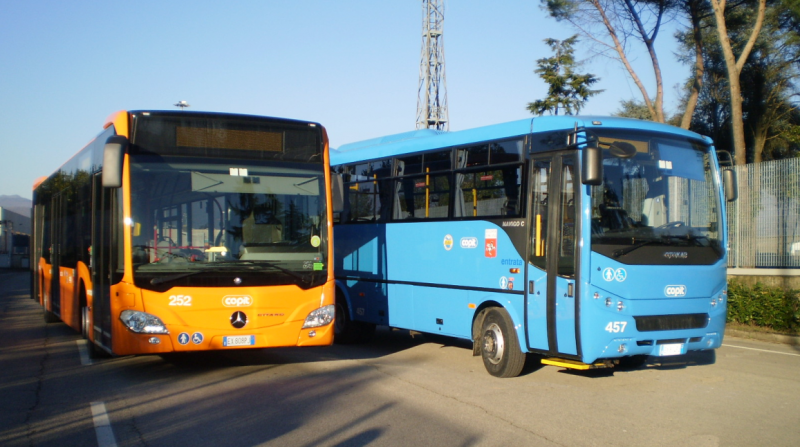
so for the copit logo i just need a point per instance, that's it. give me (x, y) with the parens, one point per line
(469, 242)
(675, 291)
(237, 301)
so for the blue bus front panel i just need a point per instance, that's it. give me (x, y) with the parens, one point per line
(651, 310)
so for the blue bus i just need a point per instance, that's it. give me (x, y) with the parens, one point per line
(585, 240)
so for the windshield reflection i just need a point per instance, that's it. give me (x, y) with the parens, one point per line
(193, 220)
(659, 206)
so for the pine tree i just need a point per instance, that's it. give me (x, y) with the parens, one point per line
(568, 91)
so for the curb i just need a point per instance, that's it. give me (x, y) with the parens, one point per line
(764, 336)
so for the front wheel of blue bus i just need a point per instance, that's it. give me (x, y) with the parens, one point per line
(347, 331)
(500, 348)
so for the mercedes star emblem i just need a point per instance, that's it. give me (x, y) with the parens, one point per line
(238, 319)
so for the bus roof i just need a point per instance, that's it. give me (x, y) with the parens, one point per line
(120, 120)
(428, 139)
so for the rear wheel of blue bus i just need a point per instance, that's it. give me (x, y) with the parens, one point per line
(500, 348)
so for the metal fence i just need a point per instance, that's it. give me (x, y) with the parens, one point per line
(764, 223)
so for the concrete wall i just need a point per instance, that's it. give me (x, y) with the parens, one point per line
(784, 278)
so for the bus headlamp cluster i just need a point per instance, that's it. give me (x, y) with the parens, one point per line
(142, 322)
(320, 317)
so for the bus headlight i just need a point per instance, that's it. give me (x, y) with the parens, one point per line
(320, 317)
(142, 322)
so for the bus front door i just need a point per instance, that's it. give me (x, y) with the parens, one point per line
(101, 261)
(552, 268)
(57, 239)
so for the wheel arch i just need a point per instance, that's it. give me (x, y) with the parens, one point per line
(480, 314)
(342, 293)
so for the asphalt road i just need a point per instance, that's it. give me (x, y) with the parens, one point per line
(401, 389)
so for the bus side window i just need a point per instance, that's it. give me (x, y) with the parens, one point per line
(485, 185)
(367, 191)
(422, 197)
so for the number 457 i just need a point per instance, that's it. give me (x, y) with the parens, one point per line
(616, 326)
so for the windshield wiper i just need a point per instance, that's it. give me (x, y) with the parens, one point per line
(625, 251)
(666, 239)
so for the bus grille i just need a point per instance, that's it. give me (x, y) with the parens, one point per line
(671, 322)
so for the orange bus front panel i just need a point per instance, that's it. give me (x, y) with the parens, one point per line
(224, 318)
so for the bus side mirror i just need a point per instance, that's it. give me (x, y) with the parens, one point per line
(337, 193)
(730, 185)
(113, 155)
(592, 166)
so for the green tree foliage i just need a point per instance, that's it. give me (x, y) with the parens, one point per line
(569, 90)
(631, 108)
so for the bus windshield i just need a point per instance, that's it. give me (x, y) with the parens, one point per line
(201, 221)
(659, 201)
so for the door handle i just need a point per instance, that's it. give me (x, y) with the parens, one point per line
(570, 290)
(530, 287)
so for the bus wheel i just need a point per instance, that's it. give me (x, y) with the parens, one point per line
(85, 322)
(500, 350)
(347, 331)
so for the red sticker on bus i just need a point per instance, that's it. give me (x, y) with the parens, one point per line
(490, 243)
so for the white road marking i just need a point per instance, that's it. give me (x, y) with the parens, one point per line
(83, 351)
(102, 426)
(761, 350)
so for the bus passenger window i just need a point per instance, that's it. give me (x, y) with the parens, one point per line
(488, 193)
(424, 197)
(367, 192)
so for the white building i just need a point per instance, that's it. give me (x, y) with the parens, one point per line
(15, 231)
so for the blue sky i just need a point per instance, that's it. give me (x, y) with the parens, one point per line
(352, 65)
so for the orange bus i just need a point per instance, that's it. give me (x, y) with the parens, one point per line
(188, 231)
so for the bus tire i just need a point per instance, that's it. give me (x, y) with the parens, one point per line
(86, 322)
(347, 331)
(500, 350)
(366, 331)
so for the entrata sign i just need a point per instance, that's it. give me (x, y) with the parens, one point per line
(237, 301)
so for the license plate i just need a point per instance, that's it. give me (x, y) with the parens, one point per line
(239, 340)
(671, 349)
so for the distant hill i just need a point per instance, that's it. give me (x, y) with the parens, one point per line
(16, 204)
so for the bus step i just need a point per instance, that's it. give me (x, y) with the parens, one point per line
(574, 364)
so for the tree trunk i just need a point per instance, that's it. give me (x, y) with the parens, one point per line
(699, 68)
(612, 32)
(734, 67)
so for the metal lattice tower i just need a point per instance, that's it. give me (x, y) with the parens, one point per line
(432, 93)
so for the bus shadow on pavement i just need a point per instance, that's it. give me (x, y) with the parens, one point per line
(386, 342)
(632, 364)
